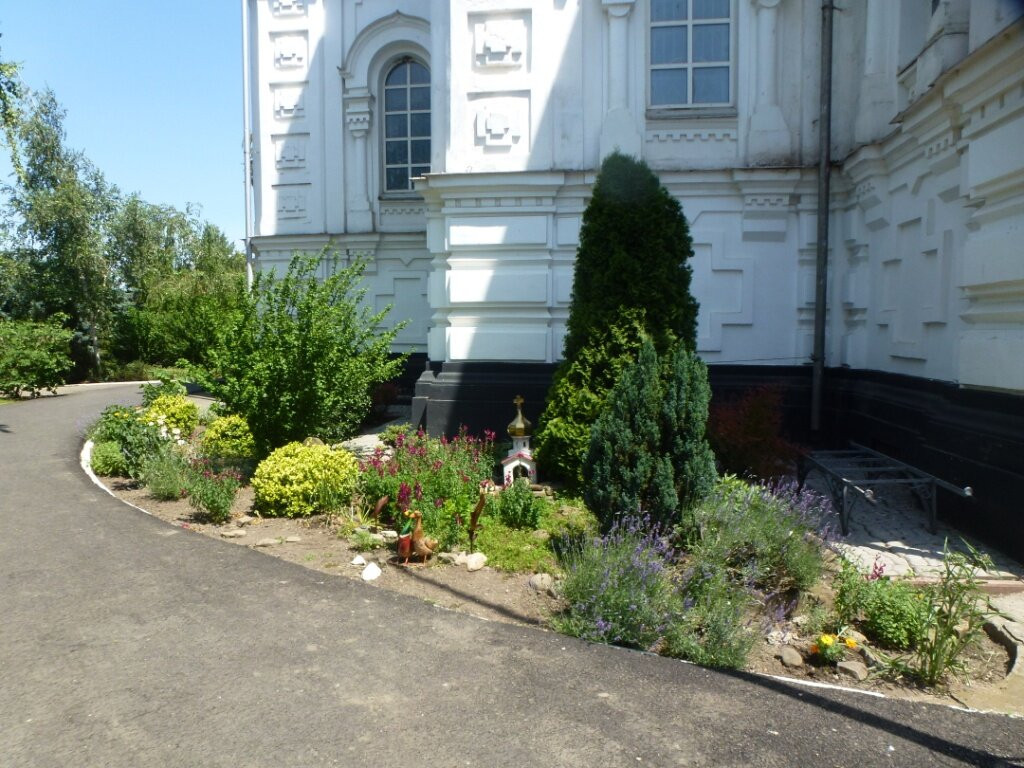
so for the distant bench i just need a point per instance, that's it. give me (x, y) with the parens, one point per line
(859, 473)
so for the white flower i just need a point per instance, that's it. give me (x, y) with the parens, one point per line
(176, 431)
(180, 441)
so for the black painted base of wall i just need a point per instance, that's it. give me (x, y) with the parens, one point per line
(967, 437)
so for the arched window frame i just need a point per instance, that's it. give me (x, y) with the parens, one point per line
(417, 140)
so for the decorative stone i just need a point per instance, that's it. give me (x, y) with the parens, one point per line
(389, 535)
(292, 540)
(447, 557)
(377, 538)
(371, 572)
(856, 636)
(855, 669)
(870, 659)
(358, 560)
(233, 533)
(266, 542)
(790, 657)
(460, 558)
(475, 561)
(244, 520)
(541, 582)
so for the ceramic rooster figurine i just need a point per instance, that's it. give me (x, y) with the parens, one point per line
(421, 545)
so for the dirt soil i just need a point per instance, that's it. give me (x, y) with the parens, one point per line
(490, 594)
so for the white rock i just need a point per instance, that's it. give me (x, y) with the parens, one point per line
(541, 582)
(389, 535)
(358, 560)
(292, 540)
(371, 572)
(266, 542)
(448, 557)
(460, 558)
(791, 657)
(233, 533)
(854, 669)
(475, 561)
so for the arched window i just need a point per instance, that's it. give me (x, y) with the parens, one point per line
(406, 124)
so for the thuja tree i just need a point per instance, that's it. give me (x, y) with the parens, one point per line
(303, 355)
(647, 450)
(631, 277)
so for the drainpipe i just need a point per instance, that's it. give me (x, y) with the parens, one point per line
(824, 179)
(247, 144)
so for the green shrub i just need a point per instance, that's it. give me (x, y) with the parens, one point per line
(133, 435)
(893, 613)
(769, 536)
(173, 412)
(711, 630)
(517, 507)
(167, 386)
(647, 448)
(516, 550)
(211, 492)
(618, 588)
(165, 473)
(569, 524)
(633, 253)
(107, 459)
(33, 356)
(298, 480)
(304, 355)
(228, 437)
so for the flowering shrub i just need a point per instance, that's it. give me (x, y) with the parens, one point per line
(165, 473)
(107, 459)
(711, 629)
(618, 588)
(136, 439)
(174, 412)
(832, 648)
(440, 478)
(297, 480)
(212, 493)
(518, 507)
(894, 613)
(166, 386)
(228, 438)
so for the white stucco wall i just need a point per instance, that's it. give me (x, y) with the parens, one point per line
(926, 273)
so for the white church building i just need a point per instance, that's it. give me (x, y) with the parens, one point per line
(454, 144)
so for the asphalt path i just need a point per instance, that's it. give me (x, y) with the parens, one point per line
(125, 641)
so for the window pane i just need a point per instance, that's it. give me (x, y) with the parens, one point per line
(710, 85)
(398, 178)
(396, 126)
(420, 124)
(420, 170)
(668, 86)
(710, 42)
(394, 99)
(668, 10)
(421, 151)
(396, 152)
(710, 9)
(418, 74)
(419, 98)
(398, 76)
(668, 45)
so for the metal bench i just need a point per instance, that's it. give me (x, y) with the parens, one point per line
(859, 473)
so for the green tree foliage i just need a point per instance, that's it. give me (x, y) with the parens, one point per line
(33, 356)
(631, 278)
(303, 355)
(647, 449)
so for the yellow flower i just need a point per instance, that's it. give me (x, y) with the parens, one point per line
(827, 640)
(850, 642)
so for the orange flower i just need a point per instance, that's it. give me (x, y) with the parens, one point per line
(850, 642)
(814, 648)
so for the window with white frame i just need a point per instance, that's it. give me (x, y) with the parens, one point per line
(690, 53)
(406, 124)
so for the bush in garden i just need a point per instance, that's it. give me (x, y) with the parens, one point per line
(173, 412)
(133, 435)
(165, 473)
(893, 613)
(746, 434)
(647, 448)
(711, 629)
(166, 386)
(769, 536)
(211, 492)
(618, 587)
(518, 507)
(634, 247)
(33, 356)
(299, 480)
(304, 355)
(228, 438)
(107, 459)
(439, 477)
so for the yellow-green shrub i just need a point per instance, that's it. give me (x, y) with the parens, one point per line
(297, 480)
(228, 438)
(177, 412)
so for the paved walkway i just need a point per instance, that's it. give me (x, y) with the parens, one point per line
(127, 642)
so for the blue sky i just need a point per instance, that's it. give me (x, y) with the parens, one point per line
(152, 91)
